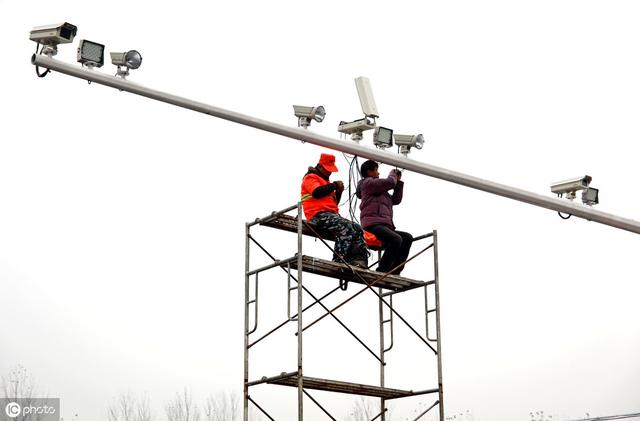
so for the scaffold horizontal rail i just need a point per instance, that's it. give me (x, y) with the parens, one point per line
(337, 270)
(290, 223)
(345, 387)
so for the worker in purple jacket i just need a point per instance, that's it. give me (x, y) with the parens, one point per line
(376, 214)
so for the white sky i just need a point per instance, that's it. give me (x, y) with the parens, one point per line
(122, 219)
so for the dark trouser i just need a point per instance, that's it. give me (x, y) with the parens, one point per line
(349, 241)
(396, 247)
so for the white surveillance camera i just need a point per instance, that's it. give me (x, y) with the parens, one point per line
(383, 137)
(408, 141)
(356, 127)
(52, 35)
(306, 114)
(569, 187)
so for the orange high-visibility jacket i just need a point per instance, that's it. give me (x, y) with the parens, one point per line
(310, 204)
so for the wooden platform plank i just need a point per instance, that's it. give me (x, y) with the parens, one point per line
(341, 271)
(290, 223)
(342, 387)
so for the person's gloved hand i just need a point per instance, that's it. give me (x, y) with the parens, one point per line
(339, 185)
(397, 173)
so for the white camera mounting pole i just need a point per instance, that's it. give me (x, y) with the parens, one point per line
(352, 148)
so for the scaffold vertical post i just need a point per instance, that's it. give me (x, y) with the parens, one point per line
(381, 311)
(246, 324)
(300, 379)
(439, 343)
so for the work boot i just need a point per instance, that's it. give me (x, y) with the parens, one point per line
(358, 261)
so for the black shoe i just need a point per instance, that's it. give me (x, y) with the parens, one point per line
(359, 262)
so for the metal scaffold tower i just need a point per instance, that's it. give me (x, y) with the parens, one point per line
(384, 285)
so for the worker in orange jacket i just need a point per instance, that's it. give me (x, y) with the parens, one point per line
(320, 198)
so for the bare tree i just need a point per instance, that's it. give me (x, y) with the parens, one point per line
(127, 407)
(143, 410)
(19, 385)
(363, 410)
(182, 408)
(223, 407)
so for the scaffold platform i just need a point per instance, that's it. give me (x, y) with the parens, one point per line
(338, 270)
(291, 379)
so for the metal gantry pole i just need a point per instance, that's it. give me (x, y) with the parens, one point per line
(300, 379)
(560, 205)
(439, 343)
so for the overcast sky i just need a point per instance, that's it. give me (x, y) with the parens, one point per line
(122, 219)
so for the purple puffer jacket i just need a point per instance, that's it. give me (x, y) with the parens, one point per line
(377, 204)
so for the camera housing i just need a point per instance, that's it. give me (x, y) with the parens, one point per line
(571, 186)
(52, 35)
(356, 127)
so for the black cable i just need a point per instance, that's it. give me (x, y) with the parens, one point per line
(37, 67)
(559, 214)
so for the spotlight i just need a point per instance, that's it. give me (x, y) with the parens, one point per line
(306, 114)
(383, 137)
(90, 54)
(129, 60)
(408, 141)
(52, 35)
(590, 196)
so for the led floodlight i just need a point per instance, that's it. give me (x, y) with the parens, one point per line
(590, 196)
(90, 54)
(383, 137)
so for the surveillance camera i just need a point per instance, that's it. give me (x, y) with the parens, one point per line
(383, 137)
(408, 141)
(52, 35)
(306, 114)
(356, 127)
(570, 186)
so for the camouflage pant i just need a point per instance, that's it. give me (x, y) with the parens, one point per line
(349, 237)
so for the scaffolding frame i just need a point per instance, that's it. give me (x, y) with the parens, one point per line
(386, 286)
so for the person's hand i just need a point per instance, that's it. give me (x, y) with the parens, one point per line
(398, 173)
(339, 185)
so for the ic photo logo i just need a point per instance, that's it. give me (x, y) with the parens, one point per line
(12, 409)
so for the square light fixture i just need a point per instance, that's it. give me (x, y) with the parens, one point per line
(383, 137)
(90, 54)
(590, 196)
